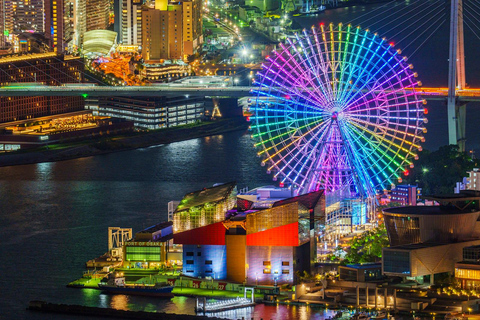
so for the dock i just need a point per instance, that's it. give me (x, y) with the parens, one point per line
(42, 306)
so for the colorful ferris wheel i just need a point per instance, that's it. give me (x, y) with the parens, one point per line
(338, 108)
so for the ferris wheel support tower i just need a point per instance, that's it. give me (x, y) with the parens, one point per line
(456, 77)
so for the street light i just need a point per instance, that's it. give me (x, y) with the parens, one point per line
(235, 81)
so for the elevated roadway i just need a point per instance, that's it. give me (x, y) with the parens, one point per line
(465, 95)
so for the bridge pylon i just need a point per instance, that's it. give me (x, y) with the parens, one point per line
(456, 77)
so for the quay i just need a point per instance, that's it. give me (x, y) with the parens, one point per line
(42, 306)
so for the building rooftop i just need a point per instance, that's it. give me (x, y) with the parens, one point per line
(364, 265)
(309, 200)
(206, 195)
(426, 210)
(157, 227)
(423, 245)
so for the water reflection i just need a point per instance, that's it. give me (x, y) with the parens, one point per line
(120, 302)
(43, 170)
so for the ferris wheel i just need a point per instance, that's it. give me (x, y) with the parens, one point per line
(335, 108)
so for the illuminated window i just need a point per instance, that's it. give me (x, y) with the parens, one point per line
(285, 263)
(267, 271)
(266, 263)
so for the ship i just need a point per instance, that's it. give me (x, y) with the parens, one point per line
(118, 286)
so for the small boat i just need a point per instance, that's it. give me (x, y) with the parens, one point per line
(118, 286)
(381, 315)
(360, 316)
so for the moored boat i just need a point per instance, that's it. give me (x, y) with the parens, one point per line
(118, 286)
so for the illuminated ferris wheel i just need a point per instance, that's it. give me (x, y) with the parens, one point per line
(337, 108)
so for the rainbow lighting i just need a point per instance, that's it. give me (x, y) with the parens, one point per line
(339, 109)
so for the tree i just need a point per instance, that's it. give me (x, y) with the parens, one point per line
(368, 246)
(437, 172)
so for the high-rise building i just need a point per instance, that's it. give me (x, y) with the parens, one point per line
(128, 21)
(80, 21)
(97, 14)
(26, 15)
(171, 30)
(59, 22)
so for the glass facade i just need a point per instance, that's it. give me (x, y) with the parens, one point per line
(396, 262)
(471, 253)
(203, 213)
(402, 229)
(143, 254)
(470, 274)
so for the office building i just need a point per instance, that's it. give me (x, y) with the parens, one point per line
(128, 21)
(150, 113)
(25, 15)
(59, 23)
(473, 180)
(46, 68)
(97, 14)
(171, 30)
(405, 195)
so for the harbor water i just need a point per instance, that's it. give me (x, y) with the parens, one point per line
(54, 216)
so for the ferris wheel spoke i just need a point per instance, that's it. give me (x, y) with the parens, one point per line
(302, 160)
(385, 117)
(336, 113)
(309, 174)
(380, 84)
(296, 67)
(391, 126)
(371, 165)
(292, 142)
(330, 62)
(375, 152)
(381, 155)
(362, 174)
(287, 134)
(366, 82)
(397, 134)
(285, 100)
(388, 143)
(363, 67)
(343, 59)
(385, 96)
(267, 125)
(323, 64)
(295, 83)
(286, 91)
(310, 68)
(316, 62)
(386, 104)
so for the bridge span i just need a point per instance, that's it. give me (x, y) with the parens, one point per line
(464, 95)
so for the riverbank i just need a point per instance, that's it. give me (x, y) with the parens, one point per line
(76, 310)
(109, 144)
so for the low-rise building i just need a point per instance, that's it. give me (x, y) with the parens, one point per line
(150, 112)
(264, 247)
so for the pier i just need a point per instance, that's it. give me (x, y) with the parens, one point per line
(202, 306)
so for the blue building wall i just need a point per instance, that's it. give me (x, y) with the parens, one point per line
(205, 261)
